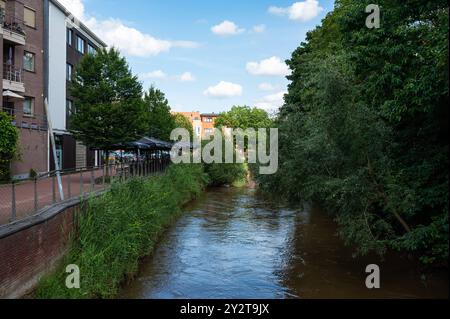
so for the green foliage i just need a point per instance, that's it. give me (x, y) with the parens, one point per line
(221, 174)
(9, 138)
(160, 120)
(120, 227)
(364, 128)
(244, 117)
(108, 101)
(181, 121)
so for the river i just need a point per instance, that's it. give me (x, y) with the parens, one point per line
(231, 243)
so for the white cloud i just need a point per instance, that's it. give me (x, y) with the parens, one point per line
(271, 66)
(186, 77)
(158, 74)
(259, 28)
(271, 102)
(299, 11)
(129, 40)
(76, 7)
(226, 28)
(266, 87)
(224, 90)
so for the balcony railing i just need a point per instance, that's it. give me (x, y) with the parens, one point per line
(12, 23)
(12, 73)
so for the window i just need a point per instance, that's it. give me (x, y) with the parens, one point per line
(69, 36)
(69, 72)
(28, 106)
(29, 17)
(69, 107)
(208, 120)
(28, 61)
(80, 44)
(91, 49)
(208, 130)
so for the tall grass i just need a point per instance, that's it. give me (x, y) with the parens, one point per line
(119, 228)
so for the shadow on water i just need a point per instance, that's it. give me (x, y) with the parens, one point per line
(231, 243)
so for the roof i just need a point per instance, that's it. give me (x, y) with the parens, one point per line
(78, 22)
(209, 115)
(145, 143)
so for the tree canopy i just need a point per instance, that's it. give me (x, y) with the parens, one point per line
(160, 120)
(244, 117)
(182, 121)
(364, 127)
(108, 101)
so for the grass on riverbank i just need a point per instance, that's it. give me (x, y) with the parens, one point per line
(119, 228)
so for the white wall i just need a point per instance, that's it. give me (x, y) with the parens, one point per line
(57, 68)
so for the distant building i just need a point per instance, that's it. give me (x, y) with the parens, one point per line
(208, 124)
(203, 124)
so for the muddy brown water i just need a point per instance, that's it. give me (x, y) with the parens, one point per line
(231, 243)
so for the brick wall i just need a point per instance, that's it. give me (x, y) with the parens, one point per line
(31, 252)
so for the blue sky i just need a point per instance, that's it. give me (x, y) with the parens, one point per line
(206, 55)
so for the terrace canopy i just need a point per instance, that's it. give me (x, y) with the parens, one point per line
(145, 144)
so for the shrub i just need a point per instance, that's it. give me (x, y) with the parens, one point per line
(119, 228)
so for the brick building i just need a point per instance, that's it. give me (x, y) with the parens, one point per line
(36, 59)
(203, 124)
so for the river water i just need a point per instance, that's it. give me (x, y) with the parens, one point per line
(231, 243)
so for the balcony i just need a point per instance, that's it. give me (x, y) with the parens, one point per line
(13, 78)
(13, 29)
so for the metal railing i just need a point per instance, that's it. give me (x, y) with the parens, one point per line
(12, 73)
(21, 199)
(12, 23)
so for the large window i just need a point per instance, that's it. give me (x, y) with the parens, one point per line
(28, 61)
(69, 72)
(69, 36)
(28, 106)
(80, 44)
(29, 17)
(91, 49)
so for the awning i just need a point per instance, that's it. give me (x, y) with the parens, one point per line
(12, 95)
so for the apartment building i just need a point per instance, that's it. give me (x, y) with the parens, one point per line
(203, 124)
(69, 41)
(41, 45)
(22, 85)
(208, 124)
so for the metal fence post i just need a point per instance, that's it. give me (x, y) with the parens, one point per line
(103, 175)
(53, 189)
(13, 202)
(69, 185)
(81, 183)
(36, 205)
(92, 180)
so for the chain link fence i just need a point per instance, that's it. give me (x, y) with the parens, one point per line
(22, 199)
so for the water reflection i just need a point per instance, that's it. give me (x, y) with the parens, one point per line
(232, 244)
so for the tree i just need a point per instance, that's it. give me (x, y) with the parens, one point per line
(244, 117)
(108, 101)
(364, 127)
(160, 120)
(181, 121)
(9, 137)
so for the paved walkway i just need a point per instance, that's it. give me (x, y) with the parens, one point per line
(30, 198)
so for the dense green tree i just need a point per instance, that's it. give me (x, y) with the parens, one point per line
(108, 101)
(364, 127)
(9, 138)
(182, 121)
(244, 117)
(160, 120)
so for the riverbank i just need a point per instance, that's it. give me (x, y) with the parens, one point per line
(119, 228)
(263, 248)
